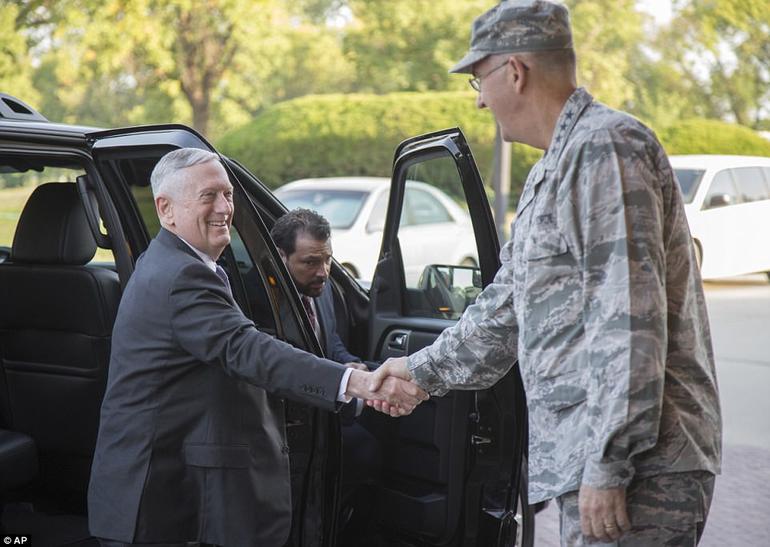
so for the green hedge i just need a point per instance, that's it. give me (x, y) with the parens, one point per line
(701, 136)
(338, 135)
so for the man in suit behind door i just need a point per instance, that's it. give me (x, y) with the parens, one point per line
(303, 239)
(191, 450)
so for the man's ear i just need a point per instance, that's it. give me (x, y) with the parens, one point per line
(165, 210)
(283, 256)
(519, 73)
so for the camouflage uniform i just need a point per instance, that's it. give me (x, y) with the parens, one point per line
(600, 298)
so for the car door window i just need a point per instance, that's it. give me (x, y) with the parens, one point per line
(146, 205)
(438, 247)
(422, 208)
(722, 191)
(750, 183)
(19, 176)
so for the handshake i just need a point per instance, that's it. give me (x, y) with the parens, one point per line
(387, 389)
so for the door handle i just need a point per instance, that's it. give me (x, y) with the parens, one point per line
(398, 340)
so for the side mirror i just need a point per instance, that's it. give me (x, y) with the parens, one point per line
(719, 200)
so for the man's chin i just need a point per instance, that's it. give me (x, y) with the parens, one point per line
(314, 291)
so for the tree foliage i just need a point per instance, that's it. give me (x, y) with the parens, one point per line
(217, 64)
(608, 36)
(15, 66)
(409, 45)
(720, 50)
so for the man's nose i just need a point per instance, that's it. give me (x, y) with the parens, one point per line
(224, 205)
(479, 101)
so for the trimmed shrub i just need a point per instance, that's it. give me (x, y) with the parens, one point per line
(702, 136)
(340, 135)
(357, 134)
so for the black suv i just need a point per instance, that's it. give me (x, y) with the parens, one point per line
(452, 471)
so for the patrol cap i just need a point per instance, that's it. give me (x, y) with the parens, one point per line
(517, 25)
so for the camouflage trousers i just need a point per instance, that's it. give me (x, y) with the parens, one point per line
(665, 510)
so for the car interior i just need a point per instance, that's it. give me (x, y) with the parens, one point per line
(58, 308)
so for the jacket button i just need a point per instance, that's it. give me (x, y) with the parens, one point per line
(285, 449)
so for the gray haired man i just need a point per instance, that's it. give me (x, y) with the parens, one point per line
(191, 450)
(599, 297)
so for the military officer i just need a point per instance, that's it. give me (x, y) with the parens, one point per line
(599, 297)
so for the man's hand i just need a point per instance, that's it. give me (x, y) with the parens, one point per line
(397, 396)
(603, 512)
(395, 367)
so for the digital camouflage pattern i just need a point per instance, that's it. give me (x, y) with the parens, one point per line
(666, 511)
(600, 299)
(517, 25)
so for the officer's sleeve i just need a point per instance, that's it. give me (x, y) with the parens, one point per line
(617, 211)
(480, 348)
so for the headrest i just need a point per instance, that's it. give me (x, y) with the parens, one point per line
(53, 228)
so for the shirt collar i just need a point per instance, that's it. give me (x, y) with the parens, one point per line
(203, 256)
(570, 113)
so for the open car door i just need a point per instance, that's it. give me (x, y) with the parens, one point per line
(453, 469)
(263, 290)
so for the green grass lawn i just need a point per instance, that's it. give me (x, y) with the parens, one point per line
(12, 201)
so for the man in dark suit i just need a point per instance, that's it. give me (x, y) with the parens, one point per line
(191, 449)
(303, 239)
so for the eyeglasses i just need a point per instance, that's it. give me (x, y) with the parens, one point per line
(476, 81)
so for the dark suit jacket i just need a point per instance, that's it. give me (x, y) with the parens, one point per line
(331, 341)
(190, 446)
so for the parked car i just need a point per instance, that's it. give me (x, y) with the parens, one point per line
(452, 471)
(356, 206)
(727, 203)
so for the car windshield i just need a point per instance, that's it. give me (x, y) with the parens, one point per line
(340, 207)
(689, 179)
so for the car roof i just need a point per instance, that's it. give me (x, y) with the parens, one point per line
(711, 161)
(39, 125)
(367, 184)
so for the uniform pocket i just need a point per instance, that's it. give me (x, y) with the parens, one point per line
(217, 455)
(545, 241)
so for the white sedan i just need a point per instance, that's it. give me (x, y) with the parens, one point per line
(727, 203)
(434, 229)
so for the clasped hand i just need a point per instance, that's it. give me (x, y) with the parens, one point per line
(388, 389)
